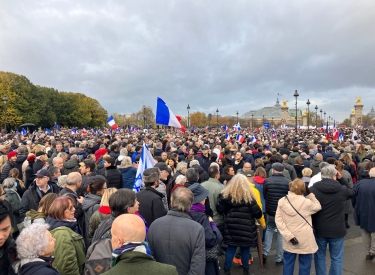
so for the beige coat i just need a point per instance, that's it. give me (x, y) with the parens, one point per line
(291, 225)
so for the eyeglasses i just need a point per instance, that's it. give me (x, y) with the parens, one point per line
(71, 208)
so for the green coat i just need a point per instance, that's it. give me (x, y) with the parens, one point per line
(133, 262)
(14, 199)
(69, 251)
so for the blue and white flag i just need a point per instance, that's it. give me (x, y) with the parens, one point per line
(145, 161)
(164, 115)
(57, 126)
(24, 132)
(48, 131)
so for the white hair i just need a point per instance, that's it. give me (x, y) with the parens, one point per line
(32, 241)
(181, 165)
(181, 179)
(9, 183)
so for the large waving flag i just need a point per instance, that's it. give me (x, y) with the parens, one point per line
(165, 116)
(112, 123)
(145, 161)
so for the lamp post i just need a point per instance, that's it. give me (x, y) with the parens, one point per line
(252, 121)
(296, 95)
(188, 109)
(316, 117)
(237, 117)
(308, 114)
(324, 116)
(263, 120)
(144, 117)
(329, 120)
(321, 116)
(217, 117)
(5, 101)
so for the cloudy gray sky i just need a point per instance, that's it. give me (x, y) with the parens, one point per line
(230, 55)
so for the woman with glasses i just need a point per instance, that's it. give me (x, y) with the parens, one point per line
(69, 246)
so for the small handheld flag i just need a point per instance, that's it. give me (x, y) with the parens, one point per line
(112, 123)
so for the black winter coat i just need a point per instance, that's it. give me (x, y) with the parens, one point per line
(239, 228)
(151, 205)
(203, 175)
(114, 177)
(29, 173)
(39, 267)
(8, 254)
(212, 234)
(332, 195)
(7, 167)
(275, 187)
(37, 166)
(299, 169)
(32, 197)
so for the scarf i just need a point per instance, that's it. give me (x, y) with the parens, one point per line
(198, 207)
(135, 246)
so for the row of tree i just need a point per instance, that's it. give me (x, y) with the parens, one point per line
(44, 106)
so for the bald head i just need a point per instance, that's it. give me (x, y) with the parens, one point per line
(319, 156)
(127, 228)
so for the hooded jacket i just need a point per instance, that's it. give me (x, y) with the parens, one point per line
(90, 204)
(314, 166)
(114, 177)
(69, 247)
(291, 225)
(329, 222)
(70, 166)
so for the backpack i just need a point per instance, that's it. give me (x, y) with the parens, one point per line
(99, 253)
(98, 257)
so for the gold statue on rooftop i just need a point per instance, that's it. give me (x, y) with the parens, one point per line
(358, 101)
(284, 103)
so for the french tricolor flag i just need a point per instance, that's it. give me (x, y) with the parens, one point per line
(227, 137)
(254, 139)
(84, 132)
(165, 116)
(225, 127)
(112, 123)
(240, 138)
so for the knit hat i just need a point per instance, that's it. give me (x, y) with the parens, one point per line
(12, 154)
(151, 174)
(278, 167)
(199, 192)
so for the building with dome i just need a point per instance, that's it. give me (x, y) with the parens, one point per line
(276, 115)
(371, 114)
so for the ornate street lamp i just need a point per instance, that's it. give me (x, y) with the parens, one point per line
(217, 117)
(308, 114)
(237, 117)
(188, 109)
(252, 121)
(316, 116)
(296, 95)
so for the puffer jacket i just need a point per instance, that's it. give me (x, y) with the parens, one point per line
(239, 228)
(292, 157)
(275, 187)
(291, 225)
(5, 172)
(90, 204)
(14, 199)
(69, 247)
(70, 166)
(128, 177)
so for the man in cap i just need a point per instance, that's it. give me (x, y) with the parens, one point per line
(184, 246)
(12, 157)
(150, 200)
(135, 258)
(37, 190)
(164, 173)
(275, 187)
(205, 156)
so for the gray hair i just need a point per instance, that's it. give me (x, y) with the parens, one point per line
(181, 165)
(73, 178)
(125, 162)
(9, 183)
(52, 170)
(123, 152)
(192, 175)
(74, 157)
(181, 179)
(22, 149)
(61, 180)
(328, 172)
(62, 155)
(56, 159)
(32, 241)
(182, 198)
(323, 164)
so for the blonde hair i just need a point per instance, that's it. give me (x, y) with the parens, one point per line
(346, 158)
(306, 172)
(37, 148)
(107, 194)
(3, 161)
(238, 189)
(297, 186)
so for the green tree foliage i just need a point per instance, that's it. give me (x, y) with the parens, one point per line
(43, 106)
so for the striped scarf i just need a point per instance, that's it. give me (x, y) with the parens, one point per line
(134, 246)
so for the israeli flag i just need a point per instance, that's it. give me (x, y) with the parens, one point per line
(48, 131)
(145, 161)
(57, 126)
(24, 132)
(164, 115)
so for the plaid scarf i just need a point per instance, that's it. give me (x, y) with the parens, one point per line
(135, 246)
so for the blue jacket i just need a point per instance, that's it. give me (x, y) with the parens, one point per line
(364, 204)
(128, 177)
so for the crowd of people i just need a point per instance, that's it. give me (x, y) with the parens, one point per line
(67, 204)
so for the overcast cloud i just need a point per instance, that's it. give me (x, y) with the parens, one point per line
(230, 55)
